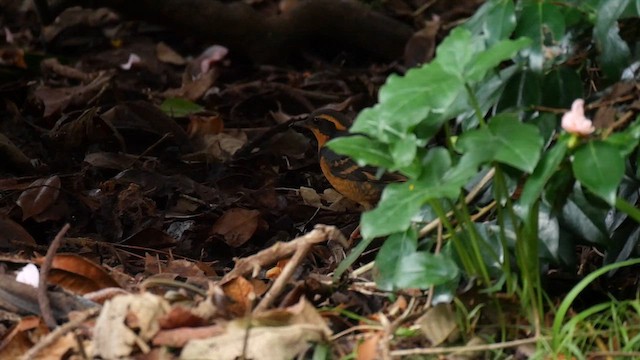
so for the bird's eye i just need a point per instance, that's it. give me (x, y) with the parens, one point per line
(316, 120)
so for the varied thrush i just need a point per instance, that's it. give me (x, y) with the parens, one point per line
(357, 183)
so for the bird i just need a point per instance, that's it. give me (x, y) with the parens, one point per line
(357, 183)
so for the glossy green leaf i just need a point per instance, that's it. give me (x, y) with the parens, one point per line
(390, 256)
(404, 151)
(363, 149)
(561, 87)
(423, 269)
(543, 172)
(500, 21)
(495, 20)
(583, 217)
(506, 140)
(492, 57)
(456, 51)
(179, 107)
(542, 22)
(400, 202)
(614, 52)
(599, 166)
(521, 92)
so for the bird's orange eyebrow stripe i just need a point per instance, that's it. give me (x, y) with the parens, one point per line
(339, 126)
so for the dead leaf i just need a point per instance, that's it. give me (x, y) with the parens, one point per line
(288, 336)
(369, 349)
(237, 226)
(167, 55)
(438, 324)
(178, 317)
(201, 125)
(243, 295)
(40, 195)
(56, 100)
(13, 156)
(21, 336)
(78, 274)
(88, 128)
(11, 233)
(179, 337)
(223, 146)
(127, 322)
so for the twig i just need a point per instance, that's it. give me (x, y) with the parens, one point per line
(43, 295)
(464, 349)
(53, 336)
(302, 244)
(281, 250)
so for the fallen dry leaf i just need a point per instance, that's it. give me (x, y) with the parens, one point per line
(40, 195)
(237, 226)
(127, 322)
(78, 274)
(12, 232)
(439, 324)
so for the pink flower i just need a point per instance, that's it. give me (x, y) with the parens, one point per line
(575, 122)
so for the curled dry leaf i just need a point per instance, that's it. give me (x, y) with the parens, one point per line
(241, 291)
(40, 195)
(237, 226)
(78, 274)
(11, 232)
(167, 55)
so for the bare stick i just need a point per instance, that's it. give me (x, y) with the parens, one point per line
(43, 295)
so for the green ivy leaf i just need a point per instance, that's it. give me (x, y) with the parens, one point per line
(404, 151)
(400, 202)
(506, 140)
(584, 219)
(492, 57)
(599, 166)
(543, 172)
(542, 22)
(423, 269)
(456, 51)
(390, 256)
(179, 107)
(614, 52)
(495, 20)
(363, 149)
(561, 87)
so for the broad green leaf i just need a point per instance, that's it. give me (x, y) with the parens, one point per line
(521, 91)
(543, 172)
(398, 204)
(390, 256)
(363, 149)
(584, 219)
(599, 166)
(495, 20)
(542, 22)
(506, 140)
(561, 87)
(179, 107)
(487, 92)
(500, 21)
(404, 151)
(424, 269)
(492, 57)
(401, 202)
(456, 51)
(614, 52)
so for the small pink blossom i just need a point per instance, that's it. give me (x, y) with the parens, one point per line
(575, 122)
